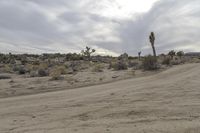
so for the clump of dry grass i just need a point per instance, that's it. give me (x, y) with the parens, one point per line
(7, 68)
(166, 61)
(56, 72)
(118, 65)
(98, 67)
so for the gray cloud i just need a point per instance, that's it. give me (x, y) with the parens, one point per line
(67, 26)
(174, 22)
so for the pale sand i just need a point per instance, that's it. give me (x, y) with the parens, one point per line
(168, 102)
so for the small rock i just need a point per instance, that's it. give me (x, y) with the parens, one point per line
(115, 76)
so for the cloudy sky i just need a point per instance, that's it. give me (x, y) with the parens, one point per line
(110, 26)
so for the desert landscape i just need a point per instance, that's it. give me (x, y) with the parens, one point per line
(125, 97)
(99, 66)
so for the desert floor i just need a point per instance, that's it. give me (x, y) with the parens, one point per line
(165, 102)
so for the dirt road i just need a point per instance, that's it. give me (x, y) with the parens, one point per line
(161, 103)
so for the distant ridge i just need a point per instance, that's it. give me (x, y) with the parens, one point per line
(192, 54)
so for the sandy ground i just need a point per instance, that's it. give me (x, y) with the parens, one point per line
(24, 85)
(167, 102)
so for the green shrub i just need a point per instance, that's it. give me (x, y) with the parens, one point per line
(22, 70)
(118, 65)
(42, 73)
(166, 61)
(150, 63)
(5, 77)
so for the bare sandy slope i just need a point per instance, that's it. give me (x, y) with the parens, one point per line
(161, 103)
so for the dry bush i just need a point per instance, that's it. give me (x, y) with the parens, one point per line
(7, 68)
(166, 61)
(135, 64)
(15, 68)
(43, 66)
(32, 67)
(33, 73)
(5, 77)
(22, 70)
(150, 63)
(176, 62)
(98, 67)
(118, 65)
(56, 72)
(42, 73)
(62, 69)
(132, 72)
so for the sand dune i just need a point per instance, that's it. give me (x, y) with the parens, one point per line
(161, 103)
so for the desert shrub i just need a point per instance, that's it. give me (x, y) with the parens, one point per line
(121, 65)
(33, 73)
(15, 68)
(123, 56)
(62, 69)
(7, 68)
(36, 63)
(150, 63)
(118, 65)
(22, 70)
(24, 60)
(56, 74)
(132, 58)
(98, 68)
(176, 62)
(31, 67)
(166, 61)
(73, 57)
(12, 61)
(43, 66)
(5, 77)
(101, 79)
(75, 65)
(42, 73)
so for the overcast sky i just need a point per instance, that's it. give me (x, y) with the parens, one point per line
(110, 26)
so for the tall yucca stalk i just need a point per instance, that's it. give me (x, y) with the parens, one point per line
(152, 40)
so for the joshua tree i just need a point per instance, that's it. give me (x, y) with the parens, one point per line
(87, 52)
(139, 55)
(172, 53)
(123, 57)
(152, 40)
(180, 53)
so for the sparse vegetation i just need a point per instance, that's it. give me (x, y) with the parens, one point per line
(55, 65)
(55, 74)
(22, 70)
(5, 77)
(42, 73)
(166, 61)
(149, 63)
(98, 67)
